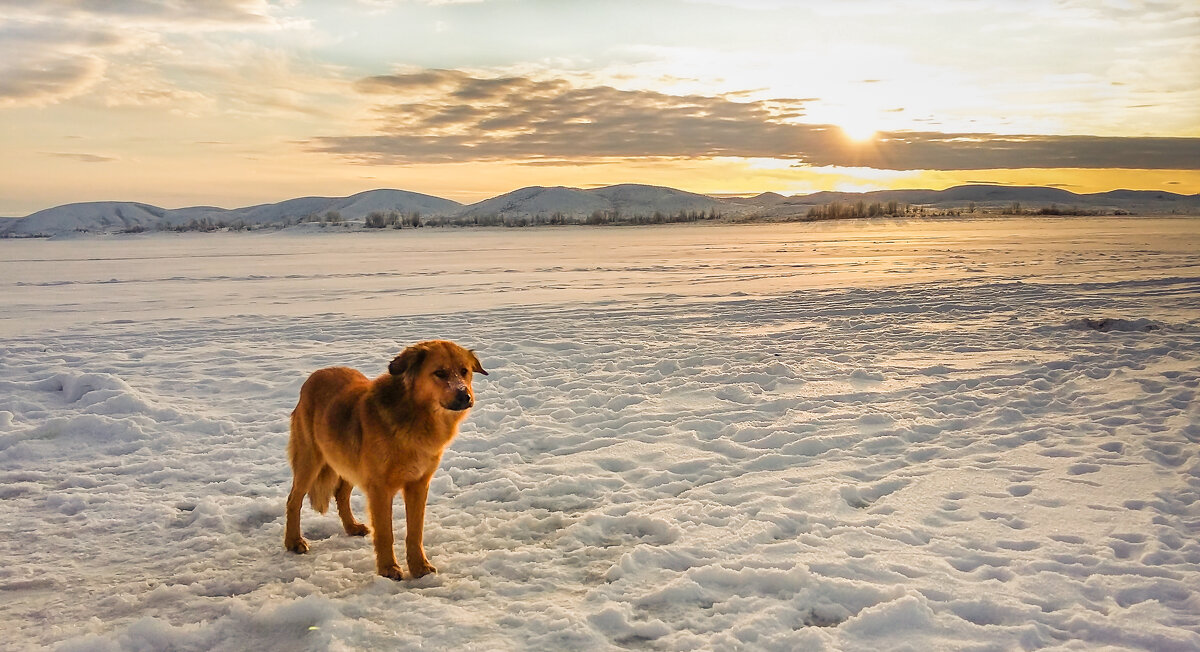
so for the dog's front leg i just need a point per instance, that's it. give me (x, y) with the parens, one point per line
(379, 504)
(415, 494)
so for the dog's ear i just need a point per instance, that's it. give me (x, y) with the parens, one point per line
(407, 363)
(475, 365)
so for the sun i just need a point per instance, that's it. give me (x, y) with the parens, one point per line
(859, 131)
(857, 115)
(859, 121)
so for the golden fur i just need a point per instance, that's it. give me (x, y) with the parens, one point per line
(383, 436)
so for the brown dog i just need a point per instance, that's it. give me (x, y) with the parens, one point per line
(383, 436)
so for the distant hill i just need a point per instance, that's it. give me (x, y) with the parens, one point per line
(761, 199)
(625, 199)
(625, 202)
(103, 217)
(91, 216)
(635, 199)
(535, 200)
(1002, 196)
(354, 207)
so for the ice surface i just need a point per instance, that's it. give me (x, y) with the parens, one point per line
(859, 436)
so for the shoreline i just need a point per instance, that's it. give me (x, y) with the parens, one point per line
(358, 227)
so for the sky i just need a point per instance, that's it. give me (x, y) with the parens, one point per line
(239, 102)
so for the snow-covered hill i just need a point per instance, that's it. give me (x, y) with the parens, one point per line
(354, 207)
(359, 206)
(619, 202)
(90, 216)
(536, 200)
(628, 200)
(636, 199)
(100, 217)
(1151, 201)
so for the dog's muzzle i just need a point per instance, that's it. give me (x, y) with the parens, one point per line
(462, 401)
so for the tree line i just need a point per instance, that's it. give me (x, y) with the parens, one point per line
(395, 219)
(404, 220)
(1015, 208)
(857, 210)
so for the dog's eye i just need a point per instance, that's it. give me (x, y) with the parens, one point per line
(442, 374)
(462, 372)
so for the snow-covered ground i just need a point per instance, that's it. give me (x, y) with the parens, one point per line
(854, 435)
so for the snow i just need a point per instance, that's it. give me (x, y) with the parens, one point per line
(355, 207)
(538, 200)
(842, 436)
(627, 199)
(638, 199)
(96, 216)
(101, 217)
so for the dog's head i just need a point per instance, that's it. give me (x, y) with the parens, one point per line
(438, 373)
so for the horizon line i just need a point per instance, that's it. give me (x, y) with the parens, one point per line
(721, 196)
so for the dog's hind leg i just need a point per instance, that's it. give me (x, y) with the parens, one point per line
(292, 539)
(342, 496)
(305, 467)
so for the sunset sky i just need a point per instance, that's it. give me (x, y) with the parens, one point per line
(238, 102)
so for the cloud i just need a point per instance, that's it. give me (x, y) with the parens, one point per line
(54, 50)
(42, 62)
(938, 151)
(188, 15)
(448, 115)
(1124, 12)
(384, 5)
(83, 158)
(47, 79)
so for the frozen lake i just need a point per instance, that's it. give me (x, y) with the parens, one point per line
(842, 435)
(59, 283)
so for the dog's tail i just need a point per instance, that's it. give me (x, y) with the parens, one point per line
(322, 489)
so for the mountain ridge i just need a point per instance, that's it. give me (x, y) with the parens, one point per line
(573, 205)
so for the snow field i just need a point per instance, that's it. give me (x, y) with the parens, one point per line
(959, 464)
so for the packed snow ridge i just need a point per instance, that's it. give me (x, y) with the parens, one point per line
(563, 205)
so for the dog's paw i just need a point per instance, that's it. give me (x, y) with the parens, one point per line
(299, 546)
(358, 530)
(391, 572)
(421, 569)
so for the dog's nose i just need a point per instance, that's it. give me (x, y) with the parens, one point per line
(462, 400)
